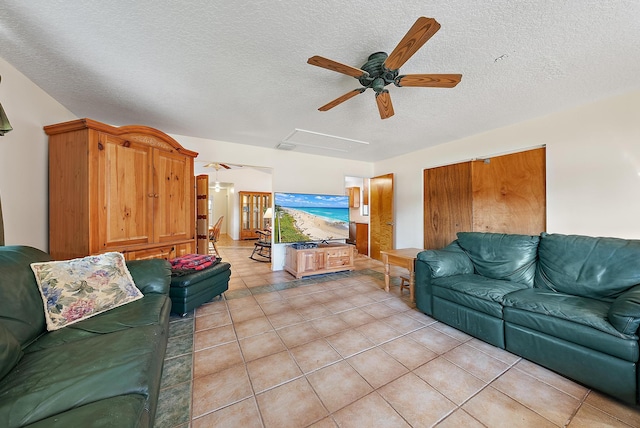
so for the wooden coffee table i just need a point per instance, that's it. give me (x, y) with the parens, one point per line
(404, 257)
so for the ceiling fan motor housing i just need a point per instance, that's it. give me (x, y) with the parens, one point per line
(378, 75)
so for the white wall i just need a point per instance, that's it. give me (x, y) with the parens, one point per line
(593, 169)
(24, 174)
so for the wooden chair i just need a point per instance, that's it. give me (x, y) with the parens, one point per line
(262, 248)
(214, 233)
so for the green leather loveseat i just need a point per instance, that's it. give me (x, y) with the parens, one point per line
(103, 371)
(569, 303)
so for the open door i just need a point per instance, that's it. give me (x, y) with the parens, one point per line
(381, 222)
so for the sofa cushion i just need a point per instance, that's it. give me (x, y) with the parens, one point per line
(624, 313)
(151, 275)
(502, 256)
(576, 319)
(10, 352)
(475, 291)
(58, 379)
(74, 290)
(153, 309)
(447, 261)
(598, 268)
(21, 304)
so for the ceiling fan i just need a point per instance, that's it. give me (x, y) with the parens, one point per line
(381, 69)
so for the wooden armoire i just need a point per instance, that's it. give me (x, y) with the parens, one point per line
(129, 189)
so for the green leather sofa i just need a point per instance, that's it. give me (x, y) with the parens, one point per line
(567, 302)
(104, 371)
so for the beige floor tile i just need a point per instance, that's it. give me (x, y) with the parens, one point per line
(293, 404)
(540, 397)
(338, 385)
(338, 305)
(379, 332)
(330, 325)
(267, 298)
(242, 303)
(494, 409)
(303, 301)
(349, 342)
(460, 419)
(370, 411)
(246, 313)
(314, 355)
(622, 411)
(243, 414)
(212, 308)
(562, 383)
(476, 362)
(298, 334)
(314, 311)
(379, 310)
(286, 318)
(356, 317)
(275, 306)
(273, 370)
(261, 345)
(422, 317)
(403, 323)
(450, 331)
(214, 320)
(218, 390)
(213, 337)
(435, 340)
(212, 360)
(455, 383)
(325, 296)
(408, 352)
(252, 327)
(327, 422)
(497, 353)
(377, 367)
(418, 402)
(588, 417)
(359, 300)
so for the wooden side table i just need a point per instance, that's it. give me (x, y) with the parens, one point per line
(406, 258)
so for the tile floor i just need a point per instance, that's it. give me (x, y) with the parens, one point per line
(336, 350)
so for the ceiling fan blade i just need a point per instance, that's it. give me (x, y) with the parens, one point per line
(342, 99)
(330, 64)
(417, 36)
(429, 80)
(385, 107)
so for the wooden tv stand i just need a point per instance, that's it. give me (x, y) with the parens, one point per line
(326, 258)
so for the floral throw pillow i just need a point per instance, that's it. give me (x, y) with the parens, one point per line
(74, 290)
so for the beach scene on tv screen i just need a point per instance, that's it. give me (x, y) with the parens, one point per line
(303, 217)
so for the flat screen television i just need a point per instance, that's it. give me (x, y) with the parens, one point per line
(305, 217)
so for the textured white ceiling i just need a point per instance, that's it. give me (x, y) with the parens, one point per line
(237, 71)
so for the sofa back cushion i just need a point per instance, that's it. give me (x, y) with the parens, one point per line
(502, 256)
(21, 308)
(599, 268)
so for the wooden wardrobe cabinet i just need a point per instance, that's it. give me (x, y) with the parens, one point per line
(129, 189)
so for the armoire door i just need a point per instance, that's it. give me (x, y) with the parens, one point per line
(125, 192)
(172, 196)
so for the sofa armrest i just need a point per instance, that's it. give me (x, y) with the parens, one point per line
(431, 264)
(151, 276)
(624, 313)
(448, 261)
